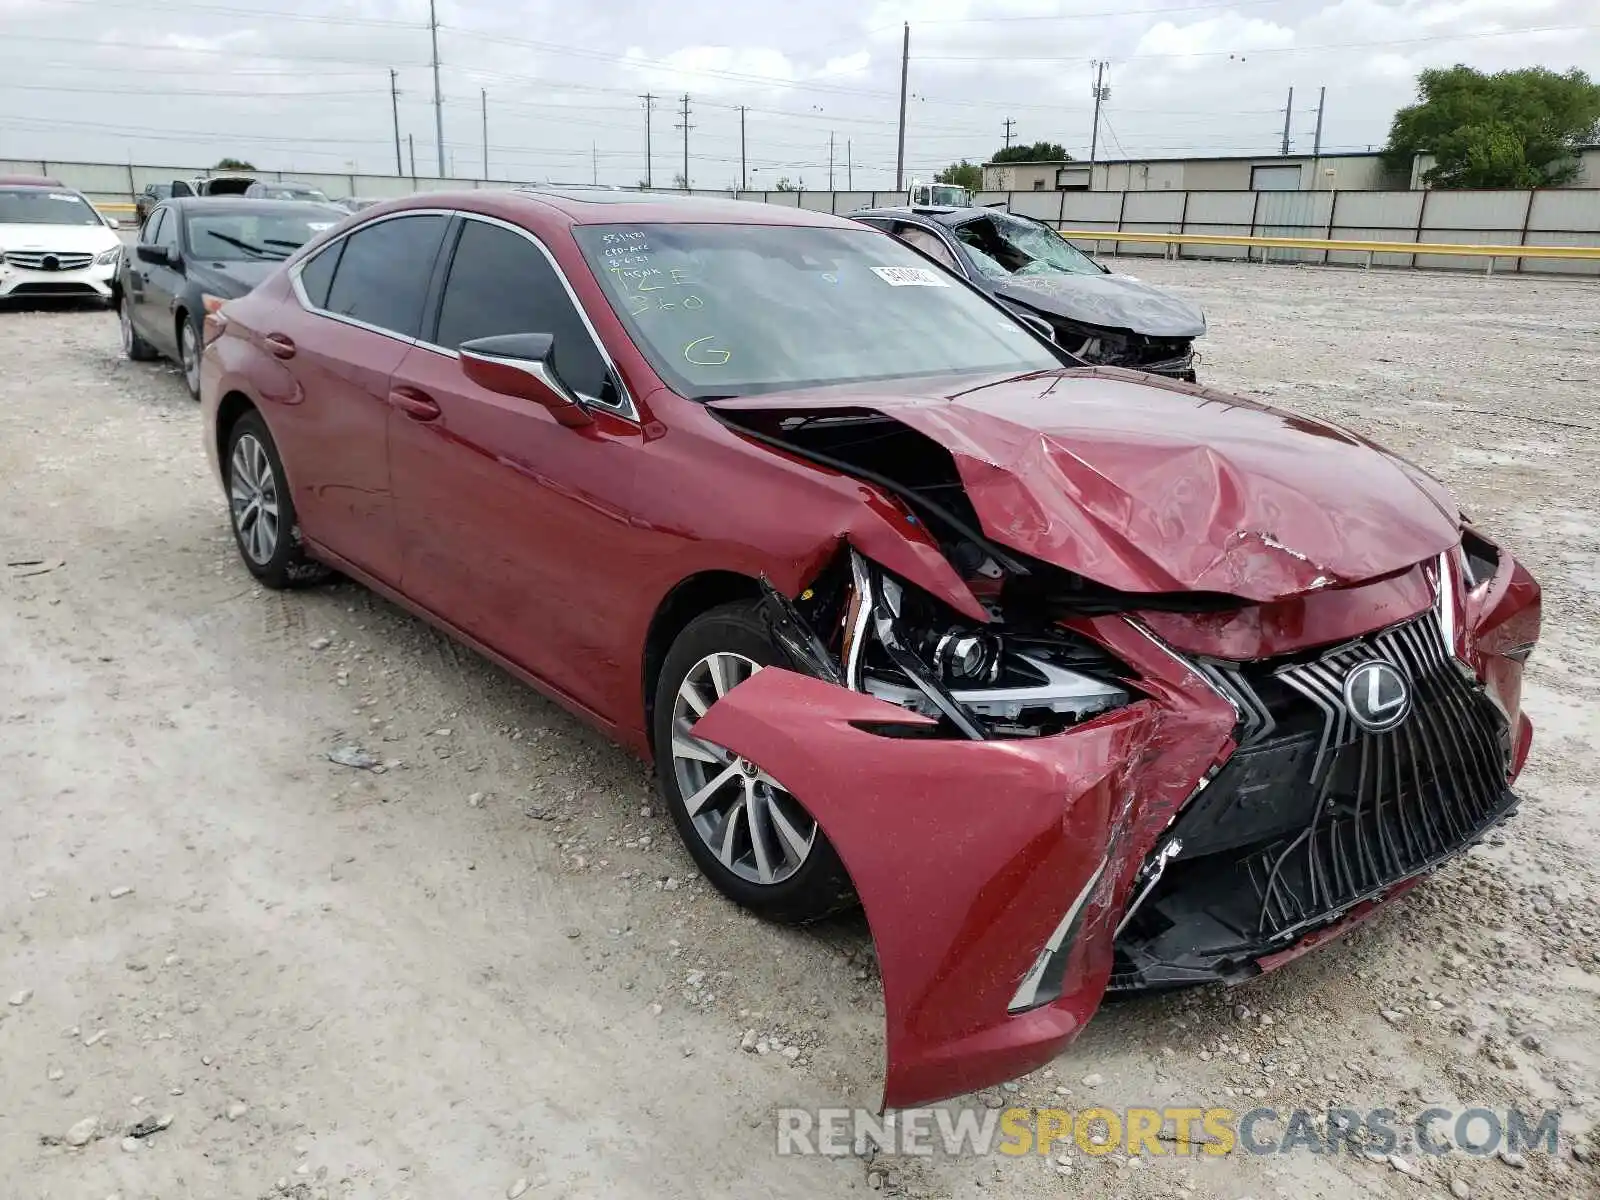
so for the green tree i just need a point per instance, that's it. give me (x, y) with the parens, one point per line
(233, 164)
(1512, 129)
(962, 174)
(1038, 152)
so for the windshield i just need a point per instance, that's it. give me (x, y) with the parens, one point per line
(724, 310)
(270, 192)
(45, 206)
(1001, 244)
(254, 237)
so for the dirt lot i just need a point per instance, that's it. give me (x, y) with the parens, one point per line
(491, 966)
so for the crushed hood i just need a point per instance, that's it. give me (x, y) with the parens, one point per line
(1157, 487)
(1107, 301)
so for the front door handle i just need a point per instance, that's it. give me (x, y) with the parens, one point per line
(414, 404)
(280, 344)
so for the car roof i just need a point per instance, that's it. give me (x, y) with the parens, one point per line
(571, 206)
(937, 214)
(247, 204)
(38, 181)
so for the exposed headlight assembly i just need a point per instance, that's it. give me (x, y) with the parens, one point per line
(903, 646)
(107, 257)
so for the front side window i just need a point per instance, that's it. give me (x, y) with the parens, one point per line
(383, 272)
(929, 243)
(500, 282)
(223, 236)
(1001, 244)
(45, 206)
(167, 234)
(724, 310)
(152, 226)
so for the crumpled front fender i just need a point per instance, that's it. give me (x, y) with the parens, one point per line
(966, 856)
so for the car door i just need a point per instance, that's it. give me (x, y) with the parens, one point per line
(135, 268)
(357, 309)
(159, 281)
(512, 524)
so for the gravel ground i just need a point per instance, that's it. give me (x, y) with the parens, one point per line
(490, 970)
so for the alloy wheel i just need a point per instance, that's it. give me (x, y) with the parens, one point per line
(755, 828)
(253, 497)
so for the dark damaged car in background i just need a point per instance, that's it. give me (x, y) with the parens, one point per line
(1093, 313)
(1080, 680)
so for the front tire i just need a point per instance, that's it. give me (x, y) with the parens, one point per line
(134, 347)
(261, 509)
(749, 836)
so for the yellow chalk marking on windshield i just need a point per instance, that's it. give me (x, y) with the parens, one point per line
(688, 356)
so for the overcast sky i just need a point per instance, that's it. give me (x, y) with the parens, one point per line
(304, 84)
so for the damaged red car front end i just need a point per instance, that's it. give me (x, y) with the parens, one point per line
(1162, 760)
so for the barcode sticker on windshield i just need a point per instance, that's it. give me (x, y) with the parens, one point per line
(910, 276)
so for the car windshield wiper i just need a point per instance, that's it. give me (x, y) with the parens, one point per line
(247, 247)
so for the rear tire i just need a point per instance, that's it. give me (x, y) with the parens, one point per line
(752, 839)
(189, 349)
(261, 509)
(134, 347)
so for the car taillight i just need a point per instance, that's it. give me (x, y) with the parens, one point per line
(214, 326)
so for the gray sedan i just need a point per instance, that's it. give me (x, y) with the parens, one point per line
(1100, 317)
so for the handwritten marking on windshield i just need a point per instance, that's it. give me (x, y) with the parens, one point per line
(688, 353)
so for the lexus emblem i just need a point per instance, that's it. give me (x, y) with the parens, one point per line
(1377, 696)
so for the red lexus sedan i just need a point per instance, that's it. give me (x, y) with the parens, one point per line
(1080, 680)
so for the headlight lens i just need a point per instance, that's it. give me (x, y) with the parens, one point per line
(106, 257)
(990, 681)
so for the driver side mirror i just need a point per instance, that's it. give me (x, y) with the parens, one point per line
(159, 255)
(522, 365)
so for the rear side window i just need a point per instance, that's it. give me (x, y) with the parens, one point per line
(500, 282)
(381, 278)
(317, 275)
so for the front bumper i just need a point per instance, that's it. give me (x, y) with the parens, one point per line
(93, 281)
(974, 859)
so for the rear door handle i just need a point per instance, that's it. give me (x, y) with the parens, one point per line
(281, 345)
(414, 404)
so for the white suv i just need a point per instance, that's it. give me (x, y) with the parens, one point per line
(53, 242)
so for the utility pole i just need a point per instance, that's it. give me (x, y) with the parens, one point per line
(438, 100)
(849, 172)
(394, 103)
(685, 126)
(649, 104)
(830, 160)
(900, 154)
(483, 94)
(744, 179)
(411, 141)
(1009, 124)
(1316, 148)
(1288, 111)
(594, 160)
(1101, 94)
